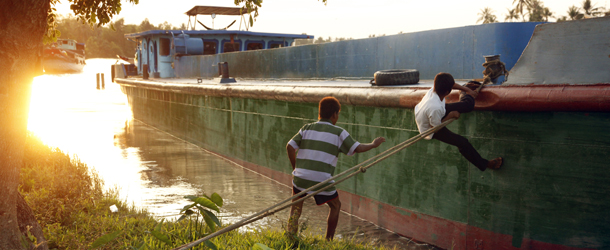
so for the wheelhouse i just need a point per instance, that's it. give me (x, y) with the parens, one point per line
(158, 49)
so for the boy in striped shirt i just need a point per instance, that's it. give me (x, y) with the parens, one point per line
(319, 145)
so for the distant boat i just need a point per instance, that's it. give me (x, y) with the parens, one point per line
(64, 56)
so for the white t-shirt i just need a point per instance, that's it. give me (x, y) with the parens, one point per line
(429, 112)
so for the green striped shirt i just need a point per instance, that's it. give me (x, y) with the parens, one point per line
(319, 145)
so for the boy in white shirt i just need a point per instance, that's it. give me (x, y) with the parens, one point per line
(432, 111)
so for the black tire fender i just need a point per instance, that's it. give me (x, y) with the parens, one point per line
(396, 77)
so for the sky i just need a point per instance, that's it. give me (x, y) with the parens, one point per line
(338, 18)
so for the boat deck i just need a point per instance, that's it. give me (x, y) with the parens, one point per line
(356, 83)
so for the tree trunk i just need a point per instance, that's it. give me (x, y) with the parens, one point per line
(22, 26)
(28, 223)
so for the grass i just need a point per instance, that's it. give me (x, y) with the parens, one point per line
(72, 207)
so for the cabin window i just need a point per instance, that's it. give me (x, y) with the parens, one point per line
(164, 49)
(276, 44)
(210, 46)
(231, 47)
(254, 45)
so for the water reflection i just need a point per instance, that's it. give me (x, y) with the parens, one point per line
(155, 170)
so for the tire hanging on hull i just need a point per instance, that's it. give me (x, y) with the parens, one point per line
(395, 77)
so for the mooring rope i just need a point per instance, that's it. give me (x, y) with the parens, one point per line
(360, 168)
(493, 69)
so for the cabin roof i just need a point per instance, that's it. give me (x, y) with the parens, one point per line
(215, 32)
(208, 10)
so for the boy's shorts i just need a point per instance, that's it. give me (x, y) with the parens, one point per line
(320, 199)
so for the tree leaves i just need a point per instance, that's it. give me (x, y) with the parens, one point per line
(208, 221)
(162, 237)
(187, 213)
(212, 217)
(203, 201)
(105, 239)
(202, 204)
(217, 199)
(487, 16)
(259, 246)
(210, 245)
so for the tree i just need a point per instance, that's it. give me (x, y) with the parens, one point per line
(562, 19)
(546, 13)
(537, 12)
(146, 25)
(24, 26)
(574, 13)
(590, 10)
(520, 5)
(512, 15)
(487, 16)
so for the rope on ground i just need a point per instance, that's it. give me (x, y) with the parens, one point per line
(360, 168)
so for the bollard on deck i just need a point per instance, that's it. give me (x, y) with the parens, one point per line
(223, 71)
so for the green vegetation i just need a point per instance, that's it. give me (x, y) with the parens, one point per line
(535, 11)
(109, 41)
(71, 206)
(487, 16)
(106, 41)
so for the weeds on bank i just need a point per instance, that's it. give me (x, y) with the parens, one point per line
(72, 207)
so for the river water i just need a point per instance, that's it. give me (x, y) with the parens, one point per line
(154, 170)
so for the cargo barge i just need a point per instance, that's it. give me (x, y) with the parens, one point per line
(549, 121)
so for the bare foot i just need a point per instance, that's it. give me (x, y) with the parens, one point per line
(495, 163)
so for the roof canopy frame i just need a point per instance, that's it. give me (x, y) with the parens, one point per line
(209, 10)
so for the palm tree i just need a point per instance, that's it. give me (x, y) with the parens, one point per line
(546, 13)
(589, 8)
(487, 16)
(512, 15)
(536, 11)
(562, 19)
(574, 13)
(520, 5)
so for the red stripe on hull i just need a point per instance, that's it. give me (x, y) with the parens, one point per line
(526, 98)
(533, 98)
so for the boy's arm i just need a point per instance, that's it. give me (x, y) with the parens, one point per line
(467, 90)
(363, 147)
(292, 155)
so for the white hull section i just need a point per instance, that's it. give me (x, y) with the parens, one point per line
(61, 66)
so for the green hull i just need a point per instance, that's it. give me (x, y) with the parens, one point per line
(550, 194)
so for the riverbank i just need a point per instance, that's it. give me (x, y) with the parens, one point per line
(72, 207)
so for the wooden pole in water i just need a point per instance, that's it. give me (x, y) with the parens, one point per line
(145, 71)
(103, 84)
(97, 78)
